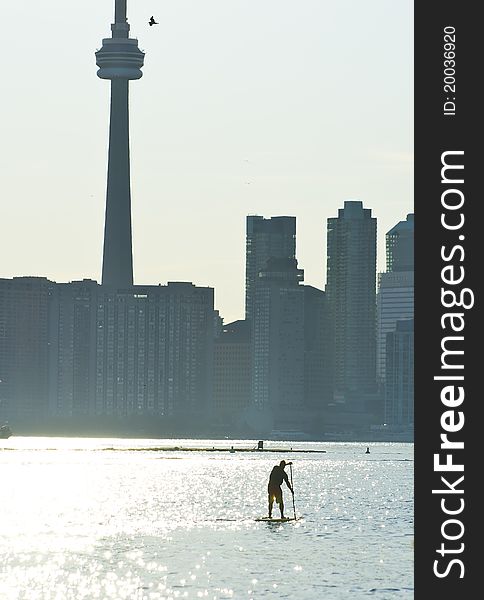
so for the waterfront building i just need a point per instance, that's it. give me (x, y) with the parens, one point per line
(395, 298)
(25, 327)
(400, 246)
(395, 302)
(292, 370)
(80, 349)
(232, 372)
(399, 384)
(154, 350)
(265, 238)
(351, 293)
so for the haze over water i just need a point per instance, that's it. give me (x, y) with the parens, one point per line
(95, 518)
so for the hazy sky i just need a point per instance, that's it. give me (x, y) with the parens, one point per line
(269, 107)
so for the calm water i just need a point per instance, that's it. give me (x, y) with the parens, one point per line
(92, 518)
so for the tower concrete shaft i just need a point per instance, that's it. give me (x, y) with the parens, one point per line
(119, 60)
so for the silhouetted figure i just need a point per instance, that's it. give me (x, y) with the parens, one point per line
(367, 450)
(152, 21)
(277, 476)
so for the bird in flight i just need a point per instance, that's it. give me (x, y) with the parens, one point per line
(152, 21)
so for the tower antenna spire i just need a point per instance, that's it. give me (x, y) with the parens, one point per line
(120, 11)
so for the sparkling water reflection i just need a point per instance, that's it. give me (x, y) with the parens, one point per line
(90, 518)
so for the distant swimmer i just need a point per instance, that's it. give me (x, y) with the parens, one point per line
(277, 476)
(367, 450)
(152, 21)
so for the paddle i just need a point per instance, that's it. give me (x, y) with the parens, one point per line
(292, 486)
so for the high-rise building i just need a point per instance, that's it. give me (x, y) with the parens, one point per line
(154, 351)
(400, 246)
(395, 299)
(292, 376)
(80, 350)
(25, 354)
(265, 239)
(351, 293)
(119, 60)
(395, 302)
(72, 348)
(399, 365)
(318, 352)
(232, 372)
(278, 342)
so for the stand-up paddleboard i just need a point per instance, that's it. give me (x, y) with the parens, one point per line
(277, 520)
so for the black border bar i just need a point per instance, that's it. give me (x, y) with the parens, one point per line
(448, 120)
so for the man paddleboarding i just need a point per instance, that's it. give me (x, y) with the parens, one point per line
(277, 476)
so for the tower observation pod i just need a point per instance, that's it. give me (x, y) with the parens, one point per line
(119, 60)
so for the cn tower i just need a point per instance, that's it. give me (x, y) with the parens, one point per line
(119, 60)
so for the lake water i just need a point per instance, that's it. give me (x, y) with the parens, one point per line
(111, 519)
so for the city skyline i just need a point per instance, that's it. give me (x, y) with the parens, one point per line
(205, 156)
(75, 350)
